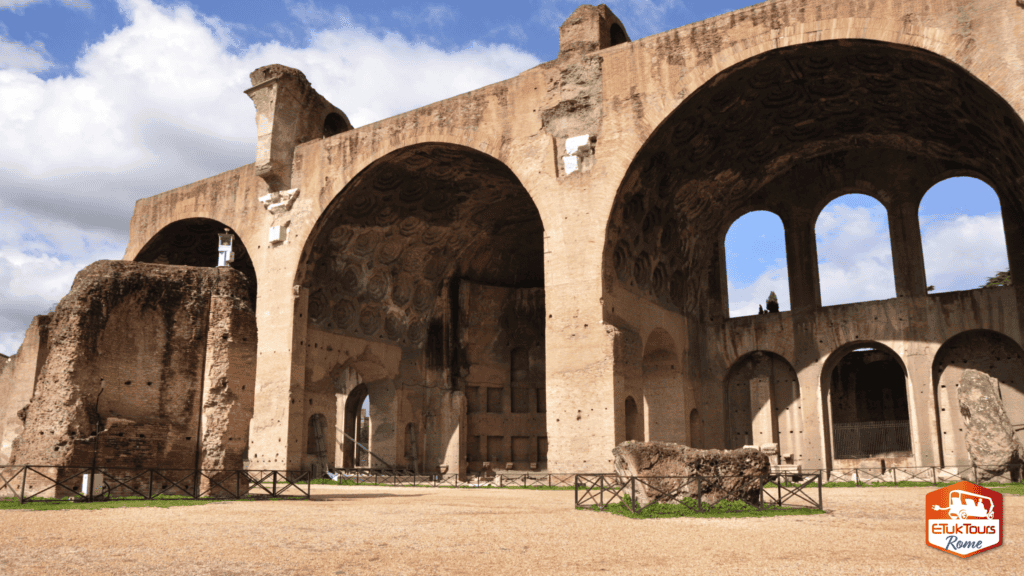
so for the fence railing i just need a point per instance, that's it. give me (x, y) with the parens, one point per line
(866, 439)
(976, 473)
(90, 484)
(406, 478)
(598, 491)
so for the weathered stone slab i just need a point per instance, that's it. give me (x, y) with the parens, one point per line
(726, 474)
(988, 432)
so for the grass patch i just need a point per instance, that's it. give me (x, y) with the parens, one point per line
(39, 504)
(901, 484)
(687, 508)
(1011, 489)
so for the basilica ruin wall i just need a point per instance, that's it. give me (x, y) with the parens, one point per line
(603, 183)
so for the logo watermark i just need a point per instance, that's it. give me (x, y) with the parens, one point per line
(964, 519)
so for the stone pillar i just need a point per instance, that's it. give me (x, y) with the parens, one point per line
(802, 262)
(277, 425)
(907, 253)
(921, 403)
(229, 382)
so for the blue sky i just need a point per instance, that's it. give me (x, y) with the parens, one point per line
(106, 102)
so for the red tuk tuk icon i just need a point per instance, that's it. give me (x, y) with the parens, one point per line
(964, 519)
(964, 505)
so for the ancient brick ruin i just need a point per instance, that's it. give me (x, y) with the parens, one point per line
(524, 276)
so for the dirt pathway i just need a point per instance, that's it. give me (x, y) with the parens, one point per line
(425, 531)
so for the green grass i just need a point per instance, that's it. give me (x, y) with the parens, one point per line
(1012, 489)
(688, 509)
(900, 484)
(128, 502)
(137, 502)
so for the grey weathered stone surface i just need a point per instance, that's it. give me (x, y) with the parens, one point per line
(990, 440)
(726, 474)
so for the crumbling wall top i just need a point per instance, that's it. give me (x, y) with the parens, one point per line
(590, 28)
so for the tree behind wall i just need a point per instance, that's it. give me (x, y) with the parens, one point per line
(1000, 279)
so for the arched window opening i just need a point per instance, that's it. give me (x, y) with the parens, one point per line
(412, 446)
(696, 430)
(868, 405)
(316, 444)
(355, 434)
(962, 236)
(334, 124)
(618, 35)
(854, 251)
(755, 265)
(634, 422)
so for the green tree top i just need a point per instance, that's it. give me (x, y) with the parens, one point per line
(1000, 279)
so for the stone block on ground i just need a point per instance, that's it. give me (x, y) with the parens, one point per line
(987, 430)
(726, 474)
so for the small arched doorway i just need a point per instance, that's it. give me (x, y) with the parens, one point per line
(869, 414)
(634, 421)
(356, 427)
(696, 430)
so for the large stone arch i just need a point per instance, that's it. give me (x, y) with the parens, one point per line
(431, 261)
(193, 242)
(991, 353)
(825, 107)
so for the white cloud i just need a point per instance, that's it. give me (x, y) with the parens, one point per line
(961, 252)
(159, 103)
(854, 255)
(19, 5)
(29, 57)
(744, 301)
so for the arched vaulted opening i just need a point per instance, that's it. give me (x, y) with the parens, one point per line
(788, 131)
(429, 266)
(194, 242)
(784, 131)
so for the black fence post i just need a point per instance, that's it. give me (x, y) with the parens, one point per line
(149, 493)
(575, 488)
(894, 477)
(700, 497)
(632, 495)
(309, 486)
(935, 476)
(24, 480)
(273, 487)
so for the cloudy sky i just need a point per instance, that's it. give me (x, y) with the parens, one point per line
(961, 232)
(105, 102)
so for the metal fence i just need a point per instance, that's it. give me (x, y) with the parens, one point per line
(90, 484)
(407, 478)
(598, 491)
(976, 473)
(866, 439)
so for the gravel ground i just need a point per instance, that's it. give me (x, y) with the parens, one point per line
(425, 531)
